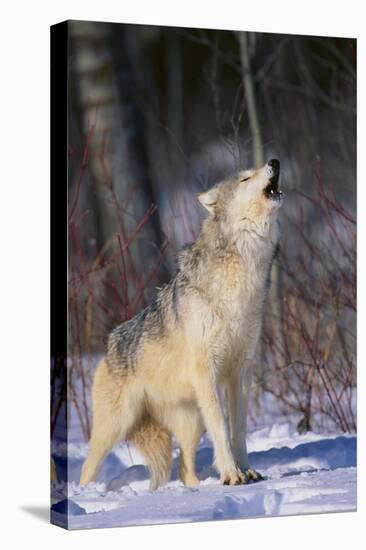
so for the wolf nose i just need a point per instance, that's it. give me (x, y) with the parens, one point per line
(275, 164)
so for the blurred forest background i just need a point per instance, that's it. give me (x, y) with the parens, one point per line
(157, 114)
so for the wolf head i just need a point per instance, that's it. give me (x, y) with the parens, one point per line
(248, 202)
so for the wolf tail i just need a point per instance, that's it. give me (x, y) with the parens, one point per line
(154, 442)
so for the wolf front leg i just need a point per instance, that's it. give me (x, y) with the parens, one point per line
(238, 389)
(208, 397)
(186, 424)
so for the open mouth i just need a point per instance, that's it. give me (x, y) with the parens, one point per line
(271, 191)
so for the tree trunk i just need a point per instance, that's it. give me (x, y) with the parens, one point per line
(247, 78)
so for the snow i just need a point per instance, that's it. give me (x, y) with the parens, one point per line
(310, 473)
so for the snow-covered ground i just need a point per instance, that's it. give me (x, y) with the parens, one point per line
(304, 474)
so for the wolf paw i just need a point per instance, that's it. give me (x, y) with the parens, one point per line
(235, 477)
(252, 475)
(191, 480)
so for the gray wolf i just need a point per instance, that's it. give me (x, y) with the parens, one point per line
(184, 364)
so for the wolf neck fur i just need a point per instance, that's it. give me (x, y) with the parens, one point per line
(252, 244)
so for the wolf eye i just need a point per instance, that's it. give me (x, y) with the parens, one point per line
(245, 179)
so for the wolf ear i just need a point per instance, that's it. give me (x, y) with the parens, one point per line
(208, 199)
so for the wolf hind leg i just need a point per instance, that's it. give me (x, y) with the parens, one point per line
(104, 437)
(116, 407)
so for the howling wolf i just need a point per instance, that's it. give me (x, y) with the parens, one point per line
(171, 369)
